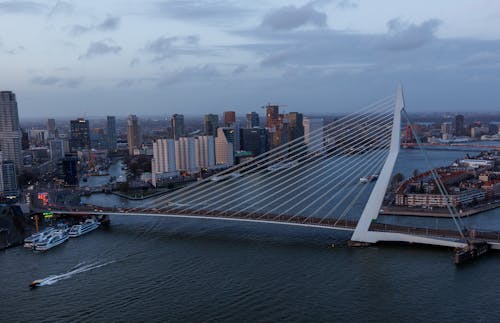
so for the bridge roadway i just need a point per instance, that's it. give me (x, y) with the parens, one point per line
(492, 237)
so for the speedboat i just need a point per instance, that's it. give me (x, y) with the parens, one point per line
(54, 239)
(87, 226)
(30, 241)
(36, 283)
(39, 282)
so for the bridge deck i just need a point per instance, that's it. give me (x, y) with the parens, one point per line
(329, 223)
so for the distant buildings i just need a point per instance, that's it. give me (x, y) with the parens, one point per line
(177, 124)
(134, 137)
(163, 156)
(229, 118)
(79, 135)
(8, 178)
(10, 132)
(210, 125)
(252, 120)
(224, 146)
(51, 128)
(253, 140)
(205, 152)
(68, 169)
(459, 126)
(313, 134)
(111, 132)
(185, 155)
(56, 147)
(163, 164)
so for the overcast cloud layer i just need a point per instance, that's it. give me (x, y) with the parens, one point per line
(72, 58)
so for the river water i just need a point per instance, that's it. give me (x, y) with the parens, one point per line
(159, 269)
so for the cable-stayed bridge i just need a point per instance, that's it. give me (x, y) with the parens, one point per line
(311, 181)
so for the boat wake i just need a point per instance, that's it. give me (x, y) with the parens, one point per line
(78, 269)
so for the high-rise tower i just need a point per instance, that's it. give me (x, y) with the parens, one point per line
(211, 124)
(10, 133)
(111, 132)
(177, 123)
(80, 135)
(134, 138)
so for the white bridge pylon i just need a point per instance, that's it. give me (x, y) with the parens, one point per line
(372, 208)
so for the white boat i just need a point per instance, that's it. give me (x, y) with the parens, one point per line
(79, 229)
(30, 241)
(53, 239)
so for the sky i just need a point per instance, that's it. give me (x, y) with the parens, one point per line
(119, 57)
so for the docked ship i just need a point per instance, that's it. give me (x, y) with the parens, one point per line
(53, 239)
(30, 241)
(80, 229)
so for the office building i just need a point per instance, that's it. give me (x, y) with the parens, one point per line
(10, 132)
(51, 128)
(224, 146)
(253, 140)
(205, 152)
(56, 147)
(163, 156)
(459, 126)
(134, 137)
(9, 178)
(295, 125)
(313, 134)
(177, 125)
(111, 132)
(229, 118)
(253, 120)
(185, 154)
(68, 167)
(98, 139)
(272, 116)
(210, 125)
(79, 135)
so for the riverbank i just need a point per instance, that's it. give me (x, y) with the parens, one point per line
(436, 212)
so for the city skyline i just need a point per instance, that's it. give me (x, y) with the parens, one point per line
(316, 57)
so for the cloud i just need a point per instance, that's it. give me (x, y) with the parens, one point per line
(67, 82)
(292, 17)
(275, 59)
(220, 10)
(166, 47)
(347, 4)
(135, 62)
(77, 30)
(403, 36)
(109, 24)
(199, 73)
(21, 7)
(14, 51)
(61, 8)
(100, 48)
(239, 69)
(10, 51)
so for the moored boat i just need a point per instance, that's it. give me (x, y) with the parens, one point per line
(30, 241)
(54, 239)
(79, 229)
